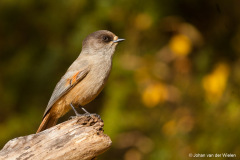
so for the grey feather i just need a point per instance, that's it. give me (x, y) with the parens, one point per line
(61, 89)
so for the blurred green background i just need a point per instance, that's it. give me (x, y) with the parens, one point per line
(175, 84)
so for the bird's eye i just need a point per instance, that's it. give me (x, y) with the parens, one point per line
(106, 38)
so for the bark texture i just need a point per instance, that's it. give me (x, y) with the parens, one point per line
(80, 138)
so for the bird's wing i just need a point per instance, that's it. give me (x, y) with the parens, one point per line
(67, 82)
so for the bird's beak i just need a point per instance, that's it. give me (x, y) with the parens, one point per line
(116, 39)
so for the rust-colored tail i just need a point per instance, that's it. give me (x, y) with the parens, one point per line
(47, 122)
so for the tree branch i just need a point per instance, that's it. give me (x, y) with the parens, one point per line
(80, 138)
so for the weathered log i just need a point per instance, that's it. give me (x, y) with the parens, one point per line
(80, 138)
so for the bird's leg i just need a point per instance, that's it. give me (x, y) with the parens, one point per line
(86, 112)
(90, 114)
(75, 111)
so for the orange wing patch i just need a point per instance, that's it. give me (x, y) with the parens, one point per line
(73, 79)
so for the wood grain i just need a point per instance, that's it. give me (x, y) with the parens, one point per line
(80, 138)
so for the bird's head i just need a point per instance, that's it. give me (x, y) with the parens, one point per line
(101, 42)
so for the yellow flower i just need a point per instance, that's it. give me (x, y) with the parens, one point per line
(214, 84)
(180, 45)
(154, 94)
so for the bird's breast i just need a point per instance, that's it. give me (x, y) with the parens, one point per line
(88, 88)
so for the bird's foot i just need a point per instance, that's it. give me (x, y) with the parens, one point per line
(76, 115)
(85, 114)
(93, 115)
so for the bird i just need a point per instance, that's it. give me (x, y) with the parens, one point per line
(84, 79)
